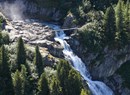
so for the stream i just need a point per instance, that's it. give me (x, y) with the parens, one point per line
(96, 87)
(33, 32)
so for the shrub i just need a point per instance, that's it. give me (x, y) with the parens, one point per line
(90, 38)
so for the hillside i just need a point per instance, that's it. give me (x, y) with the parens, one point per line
(64, 47)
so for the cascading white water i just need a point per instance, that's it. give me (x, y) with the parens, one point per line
(96, 87)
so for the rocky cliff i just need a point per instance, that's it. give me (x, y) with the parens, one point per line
(44, 10)
(104, 65)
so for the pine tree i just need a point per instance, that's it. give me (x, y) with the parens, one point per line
(63, 69)
(20, 82)
(55, 87)
(38, 61)
(6, 85)
(119, 16)
(21, 54)
(74, 83)
(120, 23)
(127, 16)
(84, 92)
(25, 83)
(43, 88)
(17, 82)
(110, 25)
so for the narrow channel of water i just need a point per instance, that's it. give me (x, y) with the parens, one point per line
(96, 87)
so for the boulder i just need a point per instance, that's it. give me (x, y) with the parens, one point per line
(56, 50)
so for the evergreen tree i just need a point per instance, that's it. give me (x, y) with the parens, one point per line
(6, 86)
(55, 87)
(74, 83)
(84, 92)
(21, 54)
(127, 16)
(38, 61)
(70, 80)
(25, 83)
(17, 82)
(20, 82)
(119, 16)
(43, 88)
(120, 23)
(110, 25)
(63, 69)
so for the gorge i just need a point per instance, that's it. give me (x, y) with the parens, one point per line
(45, 31)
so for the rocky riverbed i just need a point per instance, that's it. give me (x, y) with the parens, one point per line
(103, 66)
(35, 33)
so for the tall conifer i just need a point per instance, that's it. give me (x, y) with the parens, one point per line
(17, 82)
(110, 25)
(38, 61)
(21, 53)
(120, 25)
(6, 85)
(43, 88)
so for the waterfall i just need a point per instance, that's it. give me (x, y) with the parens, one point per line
(96, 87)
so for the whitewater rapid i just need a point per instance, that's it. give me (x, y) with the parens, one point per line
(96, 87)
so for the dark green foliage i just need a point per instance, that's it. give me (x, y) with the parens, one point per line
(21, 54)
(90, 39)
(120, 25)
(70, 80)
(55, 87)
(18, 83)
(1, 21)
(63, 69)
(119, 16)
(102, 4)
(6, 87)
(127, 16)
(110, 25)
(4, 38)
(74, 83)
(124, 71)
(38, 61)
(116, 27)
(43, 88)
(25, 83)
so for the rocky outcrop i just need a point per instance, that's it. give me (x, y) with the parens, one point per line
(35, 11)
(69, 21)
(104, 65)
(110, 62)
(101, 64)
(21, 9)
(35, 33)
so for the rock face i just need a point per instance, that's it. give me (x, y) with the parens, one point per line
(35, 33)
(101, 64)
(69, 21)
(20, 9)
(111, 61)
(33, 10)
